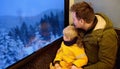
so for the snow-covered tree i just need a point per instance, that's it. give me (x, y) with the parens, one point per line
(11, 50)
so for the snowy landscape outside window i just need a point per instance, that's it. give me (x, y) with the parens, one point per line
(26, 26)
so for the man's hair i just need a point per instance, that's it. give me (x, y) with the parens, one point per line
(70, 32)
(83, 10)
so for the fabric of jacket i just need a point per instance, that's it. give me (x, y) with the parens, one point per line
(100, 44)
(68, 55)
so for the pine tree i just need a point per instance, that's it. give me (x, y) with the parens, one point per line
(11, 50)
(24, 33)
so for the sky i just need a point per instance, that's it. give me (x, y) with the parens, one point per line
(28, 7)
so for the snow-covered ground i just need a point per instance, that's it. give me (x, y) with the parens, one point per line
(14, 50)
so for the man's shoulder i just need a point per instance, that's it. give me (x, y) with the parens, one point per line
(105, 19)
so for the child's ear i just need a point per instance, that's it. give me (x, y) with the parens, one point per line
(68, 38)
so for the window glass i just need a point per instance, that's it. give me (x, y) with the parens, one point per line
(26, 26)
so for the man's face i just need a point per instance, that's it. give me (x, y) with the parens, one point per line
(77, 23)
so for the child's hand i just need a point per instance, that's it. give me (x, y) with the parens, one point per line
(57, 66)
(74, 67)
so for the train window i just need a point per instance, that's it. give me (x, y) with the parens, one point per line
(28, 25)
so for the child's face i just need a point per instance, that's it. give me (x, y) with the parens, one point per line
(66, 38)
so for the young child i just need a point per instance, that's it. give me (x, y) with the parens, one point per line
(71, 53)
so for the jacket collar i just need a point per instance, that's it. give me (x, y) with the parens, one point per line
(69, 43)
(100, 24)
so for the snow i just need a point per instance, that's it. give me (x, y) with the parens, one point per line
(20, 41)
(13, 51)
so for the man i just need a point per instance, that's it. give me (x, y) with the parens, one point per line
(99, 37)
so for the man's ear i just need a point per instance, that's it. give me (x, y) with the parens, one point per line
(82, 21)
